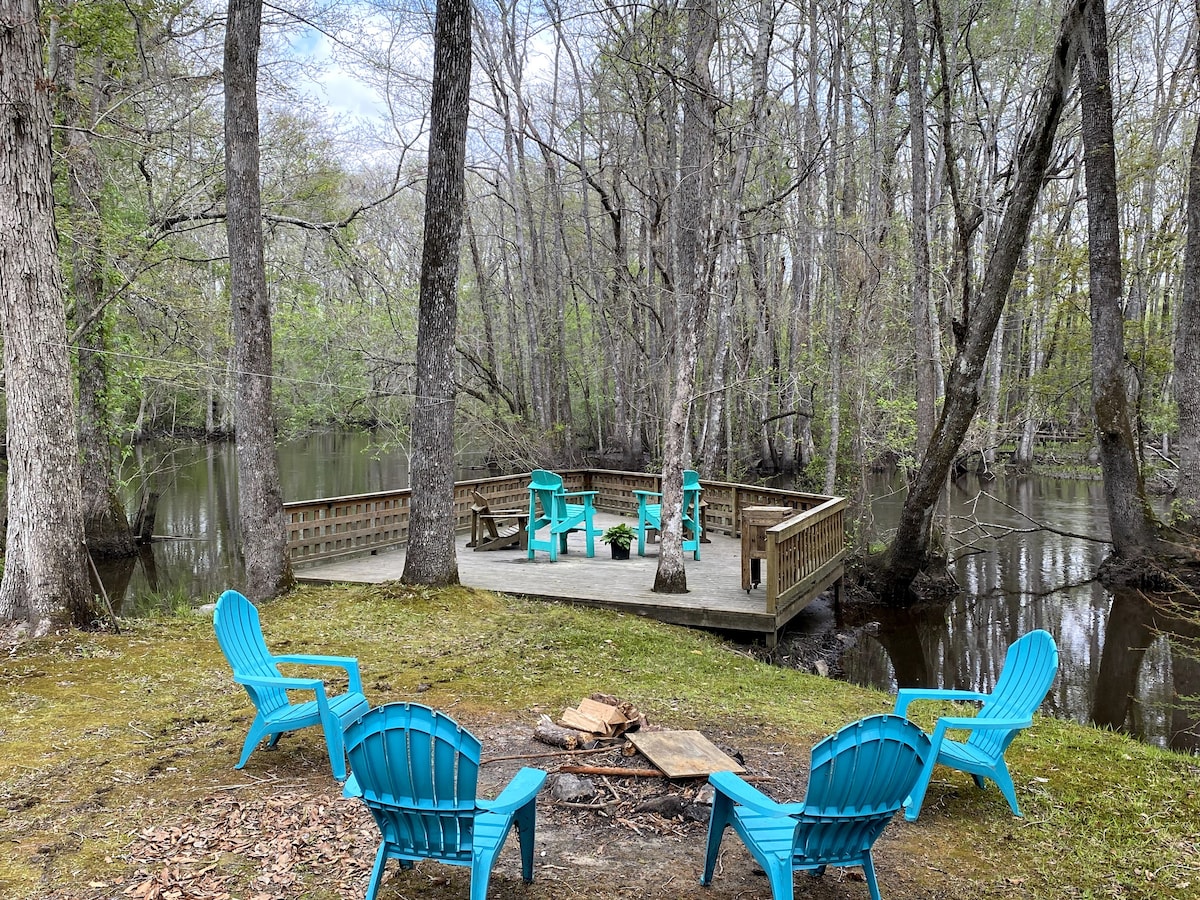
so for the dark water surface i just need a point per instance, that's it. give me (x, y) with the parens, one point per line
(1121, 663)
(197, 508)
(1119, 660)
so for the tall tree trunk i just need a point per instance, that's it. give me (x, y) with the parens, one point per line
(922, 321)
(45, 582)
(1129, 515)
(910, 550)
(695, 190)
(833, 283)
(260, 497)
(1031, 409)
(1187, 350)
(734, 229)
(106, 525)
(430, 558)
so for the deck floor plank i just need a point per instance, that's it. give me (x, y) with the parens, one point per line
(715, 598)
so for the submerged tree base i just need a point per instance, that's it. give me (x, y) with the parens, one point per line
(1155, 574)
(870, 573)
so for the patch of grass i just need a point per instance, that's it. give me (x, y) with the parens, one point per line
(105, 735)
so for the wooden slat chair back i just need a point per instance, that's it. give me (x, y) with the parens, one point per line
(416, 770)
(860, 776)
(559, 512)
(498, 530)
(650, 514)
(239, 632)
(1028, 673)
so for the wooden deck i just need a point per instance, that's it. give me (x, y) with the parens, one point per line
(361, 539)
(715, 598)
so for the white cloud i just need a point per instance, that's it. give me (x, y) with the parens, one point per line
(346, 99)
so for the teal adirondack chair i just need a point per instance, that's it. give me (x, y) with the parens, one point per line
(558, 512)
(416, 771)
(859, 778)
(1028, 673)
(650, 514)
(239, 633)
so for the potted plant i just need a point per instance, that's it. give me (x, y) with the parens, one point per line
(619, 537)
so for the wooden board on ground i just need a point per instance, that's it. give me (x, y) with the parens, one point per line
(683, 754)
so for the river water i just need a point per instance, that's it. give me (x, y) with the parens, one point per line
(1025, 553)
(1120, 659)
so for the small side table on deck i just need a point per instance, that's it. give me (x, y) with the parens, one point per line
(755, 522)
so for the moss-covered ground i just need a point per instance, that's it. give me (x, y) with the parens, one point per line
(105, 738)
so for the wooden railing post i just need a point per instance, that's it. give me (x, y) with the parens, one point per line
(772, 582)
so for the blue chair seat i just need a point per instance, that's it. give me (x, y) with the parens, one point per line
(650, 514)
(1029, 669)
(416, 770)
(559, 512)
(859, 778)
(346, 707)
(239, 632)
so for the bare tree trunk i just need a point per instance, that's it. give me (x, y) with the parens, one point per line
(734, 229)
(695, 188)
(1129, 515)
(106, 525)
(910, 550)
(45, 582)
(1035, 359)
(833, 288)
(431, 558)
(1187, 351)
(805, 246)
(995, 371)
(923, 337)
(260, 497)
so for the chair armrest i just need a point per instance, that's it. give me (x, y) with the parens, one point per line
(586, 495)
(646, 499)
(349, 663)
(288, 684)
(966, 723)
(523, 788)
(906, 696)
(747, 795)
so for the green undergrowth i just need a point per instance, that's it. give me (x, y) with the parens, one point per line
(106, 735)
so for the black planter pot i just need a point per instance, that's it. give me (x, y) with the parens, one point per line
(619, 552)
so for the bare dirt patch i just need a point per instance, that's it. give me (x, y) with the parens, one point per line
(289, 834)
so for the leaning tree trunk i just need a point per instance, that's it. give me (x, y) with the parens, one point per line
(106, 526)
(1129, 515)
(1187, 353)
(260, 497)
(430, 558)
(910, 550)
(45, 581)
(695, 178)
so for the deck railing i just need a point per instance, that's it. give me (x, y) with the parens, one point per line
(804, 552)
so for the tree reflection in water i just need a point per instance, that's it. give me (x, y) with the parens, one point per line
(1123, 662)
(1155, 641)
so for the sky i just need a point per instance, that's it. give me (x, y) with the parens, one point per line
(345, 97)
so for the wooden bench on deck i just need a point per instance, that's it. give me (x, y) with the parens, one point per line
(494, 530)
